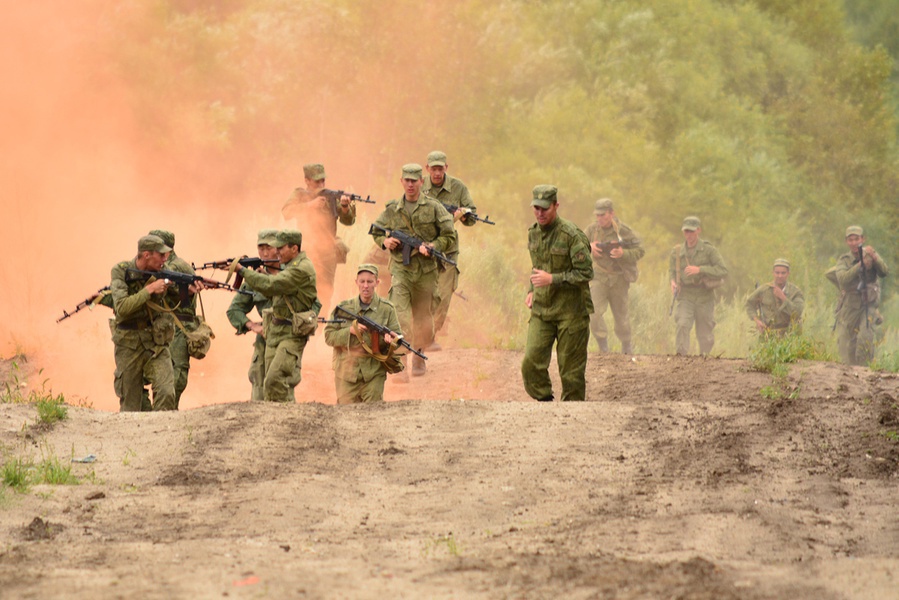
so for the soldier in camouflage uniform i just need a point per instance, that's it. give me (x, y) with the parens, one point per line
(185, 313)
(143, 331)
(559, 300)
(857, 313)
(242, 305)
(415, 285)
(695, 269)
(613, 273)
(316, 214)
(359, 354)
(777, 306)
(447, 190)
(291, 290)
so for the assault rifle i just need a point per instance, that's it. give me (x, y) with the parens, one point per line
(863, 282)
(88, 302)
(246, 261)
(324, 320)
(673, 300)
(410, 243)
(183, 281)
(333, 198)
(467, 213)
(380, 329)
(606, 247)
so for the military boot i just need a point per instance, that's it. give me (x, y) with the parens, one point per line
(419, 367)
(603, 344)
(402, 376)
(626, 348)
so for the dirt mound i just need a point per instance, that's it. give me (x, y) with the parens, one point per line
(678, 479)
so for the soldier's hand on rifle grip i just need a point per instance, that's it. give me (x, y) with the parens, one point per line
(596, 249)
(345, 202)
(391, 243)
(425, 249)
(616, 252)
(158, 287)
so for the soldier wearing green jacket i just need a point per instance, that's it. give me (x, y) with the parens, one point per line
(615, 249)
(695, 269)
(143, 331)
(559, 300)
(317, 214)
(241, 306)
(857, 313)
(186, 314)
(291, 291)
(777, 306)
(414, 286)
(359, 354)
(447, 190)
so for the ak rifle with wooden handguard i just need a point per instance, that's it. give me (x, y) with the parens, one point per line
(410, 243)
(183, 281)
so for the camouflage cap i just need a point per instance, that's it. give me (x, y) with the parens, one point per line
(781, 262)
(373, 269)
(544, 195)
(168, 238)
(412, 171)
(152, 243)
(314, 171)
(854, 230)
(267, 237)
(437, 158)
(290, 237)
(603, 205)
(691, 224)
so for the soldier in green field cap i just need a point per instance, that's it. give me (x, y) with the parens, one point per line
(614, 269)
(292, 291)
(857, 313)
(447, 190)
(186, 314)
(775, 307)
(242, 305)
(143, 330)
(414, 286)
(559, 300)
(361, 356)
(317, 213)
(695, 269)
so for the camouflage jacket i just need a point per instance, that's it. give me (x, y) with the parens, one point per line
(310, 213)
(137, 323)
(564, 251)
(188, 311)
(455, 193)
(703, 255)
(429, 222)
(847, 275)
(242, 305)
(351, 361)
(295, 284)
(605, 267)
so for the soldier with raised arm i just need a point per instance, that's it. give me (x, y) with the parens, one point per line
(776, 306)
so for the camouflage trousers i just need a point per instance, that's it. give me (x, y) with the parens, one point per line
(856, 338)
(698, 310)
(134, 367)
(352, 392)
(412, 294)
(570, 337)
(610, 292)
(256, 374)
(283, 361)
(447, 282)
(180, 361)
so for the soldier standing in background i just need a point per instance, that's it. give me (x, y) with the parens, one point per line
(414, 286)
(776, 306)
(447, 190)
(142, 333)
(857, 312)
(695, 269)
(241, 305)
(359, 355)
(316, 213)
(186, 315)
(615, 249)
(292, 291)
(559, 300)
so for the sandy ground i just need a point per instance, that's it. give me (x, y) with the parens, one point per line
(678, 479)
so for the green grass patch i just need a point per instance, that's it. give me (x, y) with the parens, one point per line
(888, 362)
(772, 353)
(50, 409)
(55, 472)
(16, 473)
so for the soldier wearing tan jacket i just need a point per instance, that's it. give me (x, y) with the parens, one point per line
(776, 306)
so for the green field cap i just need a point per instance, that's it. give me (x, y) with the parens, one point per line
(267, 237)
(314, 171)
(373, 269)
(544, 195)
(437, 158)
(603, 205)
(781, 262)
(168, 238)
(412, 171)
(152, 243)
(288, 237)
(854, 230)
(690, 224)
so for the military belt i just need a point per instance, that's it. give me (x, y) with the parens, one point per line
(187, 318)
(277, 321)
(133, 325)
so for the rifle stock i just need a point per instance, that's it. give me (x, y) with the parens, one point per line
(410, 243)
(88, 302)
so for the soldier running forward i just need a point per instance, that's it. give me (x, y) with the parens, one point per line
(361, 357)
(615, 249)
(775, 307)
(559, 300)
(414, 285)
(695, 269)
(143, 330)
(317, 213)
(293, 317)
(447, 190)
(856, 274)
